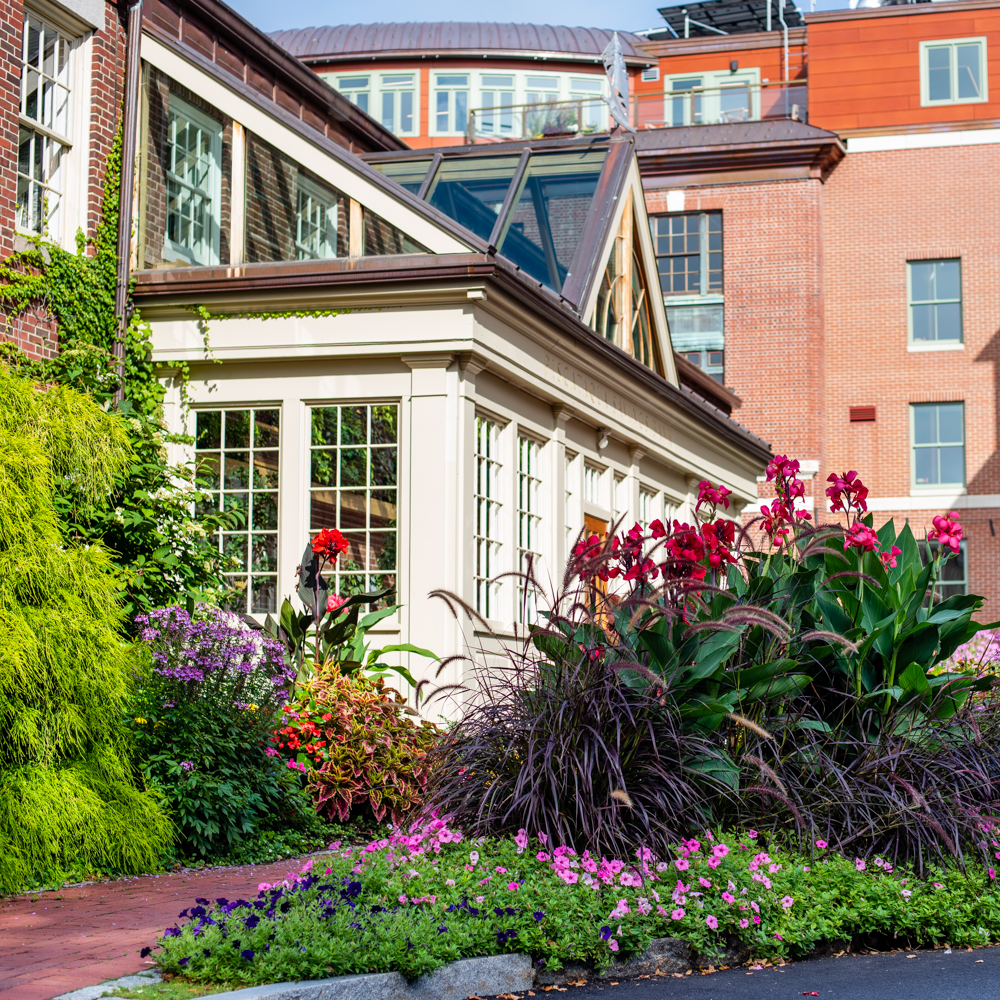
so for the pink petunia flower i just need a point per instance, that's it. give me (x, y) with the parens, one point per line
(542, 856)
(712, 922)
(859, 864)
(787, 901)
(613, 944)
(521, 840)
(993, 873)
(682, 864)
(752, 834)
(744, 924)
(729, 897)
(513, 886)
(821, 844)
(677, 914)
(714, 862)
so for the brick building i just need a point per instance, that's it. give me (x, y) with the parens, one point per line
(822, 199)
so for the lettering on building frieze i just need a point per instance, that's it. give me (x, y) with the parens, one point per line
(584, 386)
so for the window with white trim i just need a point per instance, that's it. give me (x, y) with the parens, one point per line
(44, 129)
(355, 88)
(935, 291)
(316, 221)
(489, 510)
(588, 91)
(451, 103)
(236, 455)
(647, 505)
(529, 520)
(572, 487)
(194, 184)
(938, 435)
(593, 485)
(397, 101)
(620, 498)
(354, 487)
(953, 71)
(497, 95)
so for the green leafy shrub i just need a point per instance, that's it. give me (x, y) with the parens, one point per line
(362, 752)
(209, 699)
(69, 793)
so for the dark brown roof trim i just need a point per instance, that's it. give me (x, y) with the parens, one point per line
(257, 48)
(193, 284)
(815, 156)
(704, 385)
(440, 55)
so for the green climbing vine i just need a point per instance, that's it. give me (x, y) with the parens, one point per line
(162, 539)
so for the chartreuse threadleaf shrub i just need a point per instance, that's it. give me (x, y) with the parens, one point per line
(68, 789)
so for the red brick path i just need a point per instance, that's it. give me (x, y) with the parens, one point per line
(51, 945)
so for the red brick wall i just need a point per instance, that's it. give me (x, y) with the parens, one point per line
(771, 237)
(880, 210)
(34, 331)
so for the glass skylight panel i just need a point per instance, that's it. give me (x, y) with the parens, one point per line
(544, 226)
(407, 173)
(471, 190)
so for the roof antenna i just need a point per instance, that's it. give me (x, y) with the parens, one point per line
(614, 66)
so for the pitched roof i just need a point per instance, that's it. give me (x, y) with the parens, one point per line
(342, 41)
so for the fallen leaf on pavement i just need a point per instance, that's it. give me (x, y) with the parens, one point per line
(811, 993)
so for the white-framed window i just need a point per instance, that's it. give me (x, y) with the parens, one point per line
(571, 489)
(588, 90)
(44, 126)
(236, 456)
(647, 506)
(937, 431)
(541, 89)
(354, 487)
(316, 222)
(715, 98)
(593, 485)
(194, 184)
(489, 517)
(529, 520)
(953, 71)
(357, 89)
(450, 110)
(934, 289)
(398, 103)
(497, 95)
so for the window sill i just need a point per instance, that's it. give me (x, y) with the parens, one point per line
(920, 348)
(947, 491)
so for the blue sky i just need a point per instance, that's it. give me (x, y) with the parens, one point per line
(628, 15)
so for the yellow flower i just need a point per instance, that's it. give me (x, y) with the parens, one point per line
(140, 720)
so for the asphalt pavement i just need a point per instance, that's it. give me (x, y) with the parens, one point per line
(928, 975)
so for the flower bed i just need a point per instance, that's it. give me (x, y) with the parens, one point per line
(418, 900)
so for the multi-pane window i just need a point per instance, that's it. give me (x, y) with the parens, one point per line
(397, 103)
(528, 519)
(489, 507)
(316, 221)
(953, 71)
(194, 153)
(236, 453)
(686, 110)
(954, 579)
(935, 288)
(356, 89)
(571, 485)
(588, 91)
(354, 480)
(688, 252)
(647, 504)
(497, 99)
(451, 103)
(593, 485)
(45, 93)
(620, 498)
(938, 434)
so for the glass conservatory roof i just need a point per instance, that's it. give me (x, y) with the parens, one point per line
(530, 203)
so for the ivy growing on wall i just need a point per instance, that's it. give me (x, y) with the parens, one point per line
(164, 549)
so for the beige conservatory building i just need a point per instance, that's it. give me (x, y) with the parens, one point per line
(449, 355)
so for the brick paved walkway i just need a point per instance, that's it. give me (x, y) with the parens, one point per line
(53, 942)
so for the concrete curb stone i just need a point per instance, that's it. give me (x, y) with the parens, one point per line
(488, 976)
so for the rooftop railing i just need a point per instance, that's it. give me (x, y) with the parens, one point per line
(732, 102)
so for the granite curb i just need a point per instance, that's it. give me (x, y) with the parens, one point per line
(487, 976)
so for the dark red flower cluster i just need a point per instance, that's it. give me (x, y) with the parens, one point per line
(719, 538)
(847, 492)
(330, 543)
(779, 517)
(948, 531)
(860, 536)
(715, 495)
(685, 552)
